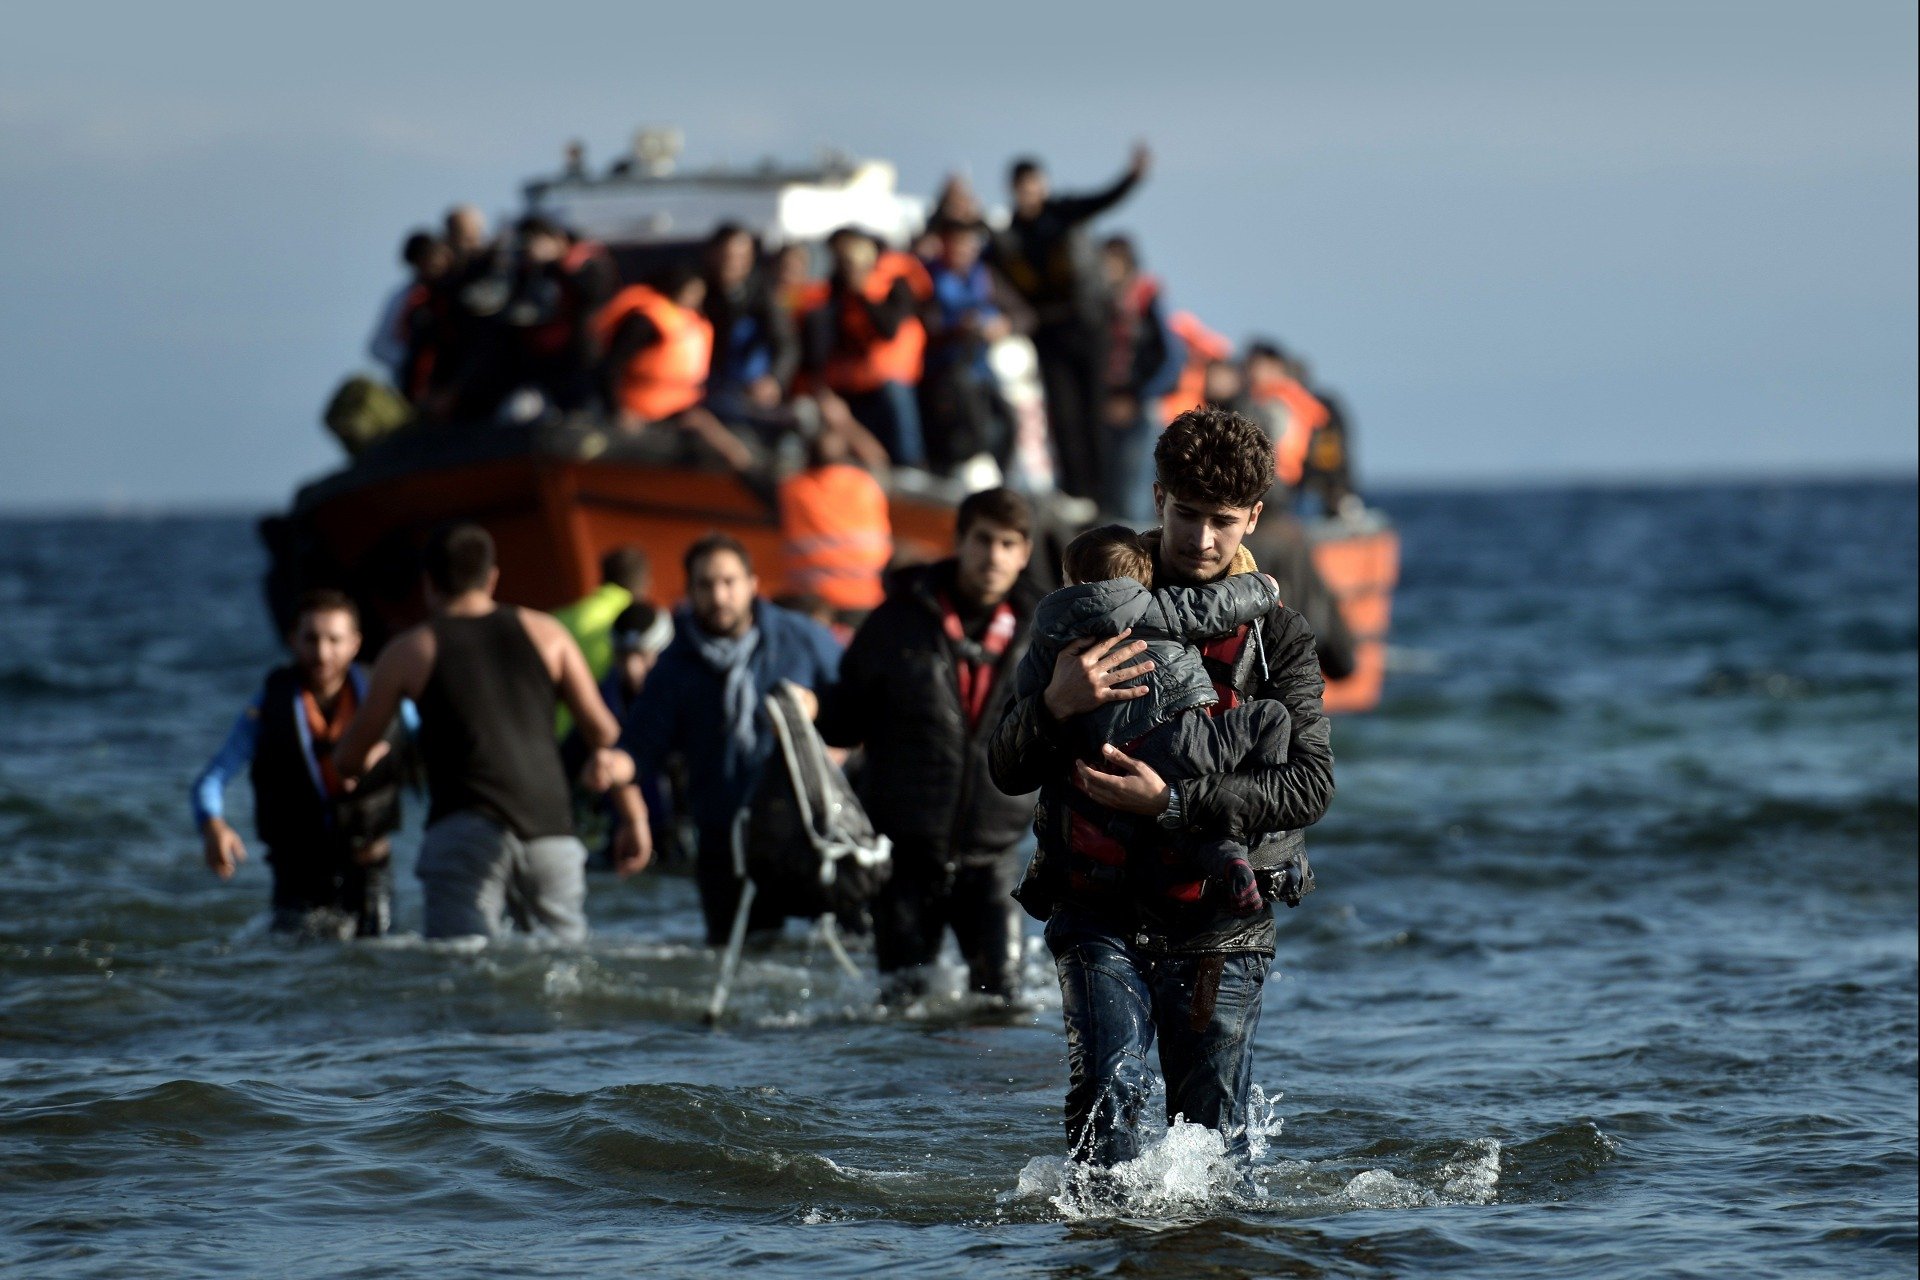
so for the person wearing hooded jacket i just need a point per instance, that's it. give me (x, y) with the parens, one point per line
(921, 686)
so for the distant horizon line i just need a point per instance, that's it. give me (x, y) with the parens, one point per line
(1461, 482)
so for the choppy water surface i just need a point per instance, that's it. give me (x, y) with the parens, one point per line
(1612, 970)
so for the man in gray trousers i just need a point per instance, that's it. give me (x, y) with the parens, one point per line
(499, 845)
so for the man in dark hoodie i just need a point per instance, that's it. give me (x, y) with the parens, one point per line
(1147, 956)
(921, 686)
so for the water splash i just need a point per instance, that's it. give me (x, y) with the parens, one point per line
(1185, 1171)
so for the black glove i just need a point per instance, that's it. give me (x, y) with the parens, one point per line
(1243, 890)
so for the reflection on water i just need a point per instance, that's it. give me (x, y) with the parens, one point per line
(1612, 970)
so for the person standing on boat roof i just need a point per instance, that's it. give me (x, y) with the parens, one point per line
(864, 341)
(327, 838)
(1149, 958)
(1045, 254)
(756, 350)
(658, 349)
(499, 843)
(704, 699)
(921, 687)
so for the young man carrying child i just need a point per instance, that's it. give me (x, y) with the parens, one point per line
(1178, 729)
(1149, 957)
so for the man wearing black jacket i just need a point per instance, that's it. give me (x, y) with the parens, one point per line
(921, 686)
(1045, 253)
(1149, 954)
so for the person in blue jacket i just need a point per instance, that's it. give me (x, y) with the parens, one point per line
(327, 839)
(704, 699)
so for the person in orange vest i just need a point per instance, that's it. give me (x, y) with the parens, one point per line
(1206, 352)
(833, 520)
(1291, 413)
(658, 348)
(865, 343)
(1144, 359)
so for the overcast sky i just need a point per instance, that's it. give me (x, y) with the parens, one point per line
(1524, 240)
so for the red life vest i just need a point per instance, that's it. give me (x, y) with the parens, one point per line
(1305, 415)
(670, 375)
(862, 360)
(1204, 346)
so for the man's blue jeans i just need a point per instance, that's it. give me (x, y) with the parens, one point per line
(1201, 1009)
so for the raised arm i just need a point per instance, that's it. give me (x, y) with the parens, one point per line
(1194, 614)
(1093, 204)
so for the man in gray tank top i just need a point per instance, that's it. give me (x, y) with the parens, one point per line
(499, 847)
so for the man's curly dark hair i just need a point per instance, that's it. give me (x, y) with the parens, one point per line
(1214, 456)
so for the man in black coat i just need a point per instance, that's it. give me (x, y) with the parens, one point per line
(1148, 956)
(921, 686)
(1045, 253)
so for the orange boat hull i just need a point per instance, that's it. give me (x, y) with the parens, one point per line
(557, 499)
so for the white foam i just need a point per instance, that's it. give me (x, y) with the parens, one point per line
(1186, 1170)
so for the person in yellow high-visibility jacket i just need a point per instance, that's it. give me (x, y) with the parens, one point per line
(626, 575)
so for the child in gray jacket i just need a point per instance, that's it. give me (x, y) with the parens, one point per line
(1170, 728)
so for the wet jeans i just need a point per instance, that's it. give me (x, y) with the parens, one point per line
(1201, 1009)
(920, 903)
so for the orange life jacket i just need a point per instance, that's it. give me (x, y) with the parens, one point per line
(1204, 346)
(1305, 415)
(838, 537)
(670, 375)
(862, 360)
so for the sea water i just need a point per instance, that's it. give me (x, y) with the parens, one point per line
(1611, 971)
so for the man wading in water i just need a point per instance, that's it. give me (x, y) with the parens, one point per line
(1147, 954)
(486, 676)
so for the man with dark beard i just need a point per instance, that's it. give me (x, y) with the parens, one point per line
(703, 699)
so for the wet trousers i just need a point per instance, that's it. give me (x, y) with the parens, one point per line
(1201, 1009)
(919, 904)
(713, 874)
(480, 878)
(324, 892)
